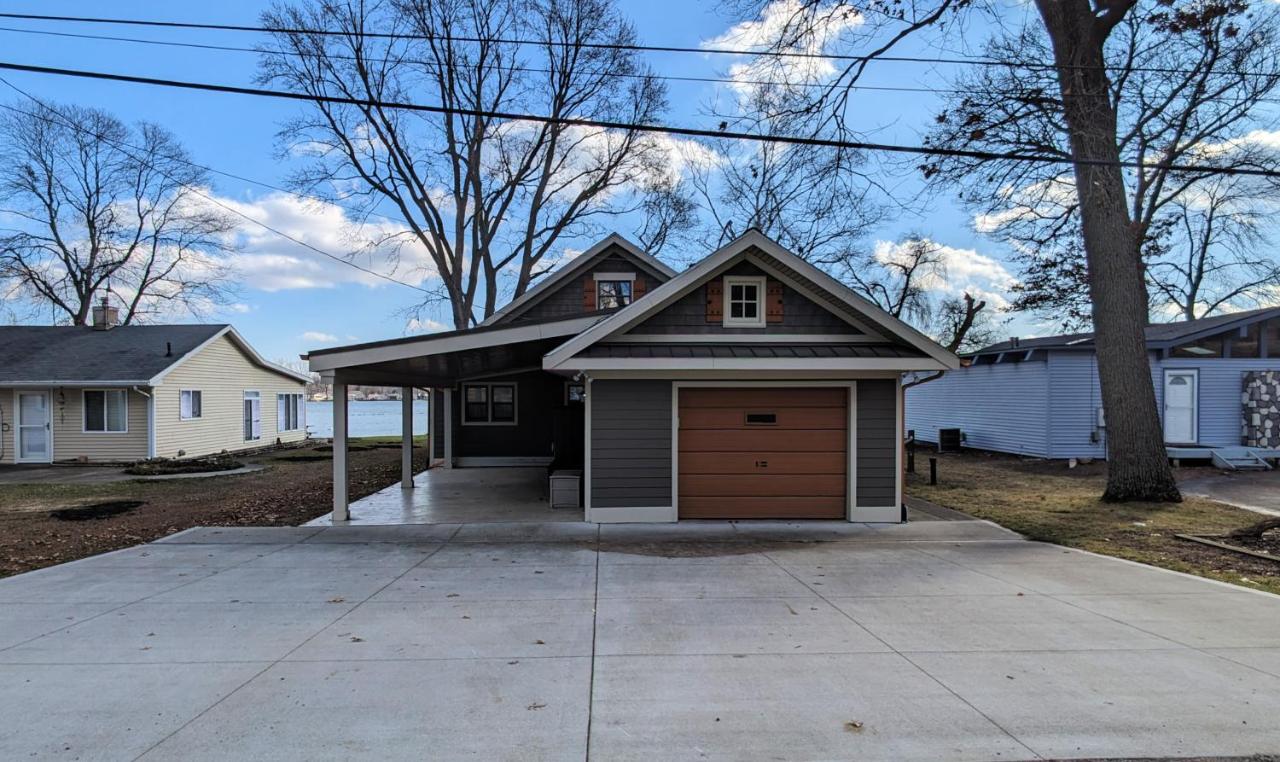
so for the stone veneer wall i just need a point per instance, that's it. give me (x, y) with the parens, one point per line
(1260, 409)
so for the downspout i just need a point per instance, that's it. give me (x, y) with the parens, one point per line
(151, 421)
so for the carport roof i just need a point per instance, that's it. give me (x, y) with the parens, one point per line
(747, 351)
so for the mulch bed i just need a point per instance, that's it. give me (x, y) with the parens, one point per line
(285, 494)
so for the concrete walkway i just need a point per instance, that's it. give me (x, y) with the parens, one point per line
(933, 640)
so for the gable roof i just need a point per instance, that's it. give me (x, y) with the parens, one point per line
(1159, 335)
(580, 263)
(881, 322)
(127, 355)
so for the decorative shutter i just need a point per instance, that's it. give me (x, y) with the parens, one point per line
(773, 302)
(715, 301)
(637, 288)
(589, 294)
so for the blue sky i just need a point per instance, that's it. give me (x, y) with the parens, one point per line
(309, 302)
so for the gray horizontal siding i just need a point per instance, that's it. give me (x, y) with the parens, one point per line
(877, 418)
(630, 444)
(1001, 407)
(1220, 389)
(799, 314)
(1074, 400)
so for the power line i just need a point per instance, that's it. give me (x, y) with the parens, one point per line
(666, 77)
(692, 132)
(635, 47)
(123, 146)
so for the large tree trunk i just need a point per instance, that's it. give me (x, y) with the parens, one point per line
(1138, 467)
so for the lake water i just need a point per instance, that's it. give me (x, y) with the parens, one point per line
(365, 419)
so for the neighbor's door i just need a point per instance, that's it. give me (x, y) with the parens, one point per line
(1181, 393)
(34, 440)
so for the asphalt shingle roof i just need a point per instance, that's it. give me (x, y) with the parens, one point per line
(131, 353)
(1157, 333)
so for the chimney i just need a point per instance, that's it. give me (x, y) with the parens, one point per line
(1013, 342)
(104, 316)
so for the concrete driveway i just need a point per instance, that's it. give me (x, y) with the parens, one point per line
(1257, 491)
(932, 640)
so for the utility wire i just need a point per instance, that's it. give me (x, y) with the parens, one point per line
(631, 126)
(124, 147)
(534, 70)
(973, 61)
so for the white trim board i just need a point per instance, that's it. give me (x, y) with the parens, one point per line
(230, 332)
(691, 278)
(744, 338)
(849, 365)
(457, 342)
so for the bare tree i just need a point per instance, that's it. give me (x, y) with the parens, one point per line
(906, 286)
(1185, 96)
(103, 206)
(482, 195)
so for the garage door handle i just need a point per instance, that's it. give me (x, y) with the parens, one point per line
(762, 464)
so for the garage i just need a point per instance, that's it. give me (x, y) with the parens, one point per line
(763, 452)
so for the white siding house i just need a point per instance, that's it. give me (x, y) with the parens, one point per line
(1041, 397)
(115, 393)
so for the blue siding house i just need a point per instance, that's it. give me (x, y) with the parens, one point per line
(1217, 384)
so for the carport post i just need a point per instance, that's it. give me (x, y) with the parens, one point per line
(406, 437)
(340, 512)
(448, 428)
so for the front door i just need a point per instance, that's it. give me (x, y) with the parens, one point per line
(35, 441)
(1181, 392)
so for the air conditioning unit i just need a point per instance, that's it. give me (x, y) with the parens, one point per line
(949, 440)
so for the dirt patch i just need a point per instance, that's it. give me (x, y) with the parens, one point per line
(95, 510)
(285, 494)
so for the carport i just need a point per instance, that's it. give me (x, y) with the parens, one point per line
(439, 362)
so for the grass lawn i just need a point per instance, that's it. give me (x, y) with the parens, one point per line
(1045, 500)
(295, 488)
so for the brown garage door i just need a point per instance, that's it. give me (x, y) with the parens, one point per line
(763, 453)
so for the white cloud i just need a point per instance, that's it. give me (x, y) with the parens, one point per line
(961, 271)
(776, 20)
(416, 325)
(1046, 198)
(319, 337)
(239, 308)
(270, 262)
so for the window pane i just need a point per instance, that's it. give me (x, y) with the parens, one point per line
(116, 411)
(735, 309)
(1249, 344)
(197, 403)
(504, 411)
(737, 292)
(1273, 338)
(477, 411)
(1207, 347)
(185, 405)
(503, 393)
(477, 394)
(282, 412)
(95, 418)
(749, 310)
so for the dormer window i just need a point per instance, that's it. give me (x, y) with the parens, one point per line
(744, 302)
(613, 290)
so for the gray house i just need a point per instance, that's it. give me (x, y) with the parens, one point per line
(751, 385)
(1216, 381)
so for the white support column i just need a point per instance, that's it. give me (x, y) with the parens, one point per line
(406, 437)
(340, 512)
(448, 428)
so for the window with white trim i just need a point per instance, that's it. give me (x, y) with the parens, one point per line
(106, 411)
(190, 404)
(252, 416)
(744, 301)
(612, 294)
(289, 412)
(489, 404)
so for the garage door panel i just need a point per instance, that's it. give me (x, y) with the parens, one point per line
(786, 417)
(762, 508)
(706, 440)
(763, 397)
(745, 463)
(796, 467)
(763, 485)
